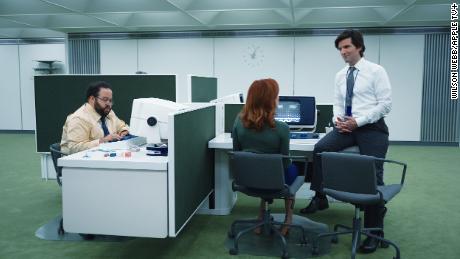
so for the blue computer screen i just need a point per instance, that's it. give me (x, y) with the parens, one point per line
(288, 111)
(297, 111)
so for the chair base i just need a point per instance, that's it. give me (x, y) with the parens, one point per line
(356, 232)
(268, 226)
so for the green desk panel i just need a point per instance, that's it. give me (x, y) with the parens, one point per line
(204, 89)
(231, 112)
(193, 160)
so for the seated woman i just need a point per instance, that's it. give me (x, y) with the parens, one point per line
(256, 130)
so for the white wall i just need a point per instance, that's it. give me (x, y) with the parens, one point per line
(402, 57)
(240, 61)
(118, 56)
(10, 98)
(17, 99)
(177, 56)
(27, 56)
(301, 65)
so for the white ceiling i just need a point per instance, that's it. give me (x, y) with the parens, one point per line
(54, 18)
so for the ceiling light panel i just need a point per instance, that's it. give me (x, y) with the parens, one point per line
(75, 20)
(129, 6)
(320, 4)
(161, 19)
(115, 18)
(339, 15)
(78, 6)
(229, 5)
(6, 23)
(249, 17)
(33, 20)
(20, 7)
(426, 13)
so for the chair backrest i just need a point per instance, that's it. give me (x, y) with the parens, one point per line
(347, 172)
(257, 171)
(56, 153)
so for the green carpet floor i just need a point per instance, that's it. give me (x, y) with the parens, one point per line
(424, 219)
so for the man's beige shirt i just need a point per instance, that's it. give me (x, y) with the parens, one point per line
(82, 129)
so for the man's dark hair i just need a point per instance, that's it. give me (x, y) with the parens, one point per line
(356, 39)
(95, 87)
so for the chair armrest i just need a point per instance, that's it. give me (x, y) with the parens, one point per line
(404, 165)
(58, 151)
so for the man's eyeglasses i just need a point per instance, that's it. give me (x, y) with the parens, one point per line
(106, 100)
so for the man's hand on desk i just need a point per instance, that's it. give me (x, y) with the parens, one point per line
(346, 124)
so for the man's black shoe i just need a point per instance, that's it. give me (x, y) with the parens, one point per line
(370, 244)
(316, 203)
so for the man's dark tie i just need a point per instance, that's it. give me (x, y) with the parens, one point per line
(104, 127)
(349, 94)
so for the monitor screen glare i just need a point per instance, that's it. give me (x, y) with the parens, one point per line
(288, 111)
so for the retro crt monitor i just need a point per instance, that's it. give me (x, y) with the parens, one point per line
(299, 112)
(149, 118)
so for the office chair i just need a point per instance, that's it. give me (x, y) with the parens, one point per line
(56, 153)
(262, 175)
(351, 178)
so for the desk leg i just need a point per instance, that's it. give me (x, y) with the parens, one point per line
(224, 197)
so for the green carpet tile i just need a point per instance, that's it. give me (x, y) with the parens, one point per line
(424, 219)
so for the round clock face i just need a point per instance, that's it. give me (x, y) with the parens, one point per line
(253, 55)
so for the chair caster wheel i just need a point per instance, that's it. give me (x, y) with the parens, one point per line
(230, 234)
(285, 255)
(334, 239)
(233, 251)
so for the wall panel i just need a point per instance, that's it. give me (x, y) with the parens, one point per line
(10, 98)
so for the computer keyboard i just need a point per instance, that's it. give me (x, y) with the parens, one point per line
(123, 144)
(303, 135)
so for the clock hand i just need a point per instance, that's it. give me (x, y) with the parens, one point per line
(254, 53)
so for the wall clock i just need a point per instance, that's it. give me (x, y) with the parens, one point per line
(253, 55)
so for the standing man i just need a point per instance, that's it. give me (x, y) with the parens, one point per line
(362, 100)
(94, 122)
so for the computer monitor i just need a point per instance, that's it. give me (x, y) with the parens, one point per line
(299, 112)
(149, 118)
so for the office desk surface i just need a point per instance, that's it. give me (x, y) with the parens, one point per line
(224, 141)
(126, 196)
(94, 158)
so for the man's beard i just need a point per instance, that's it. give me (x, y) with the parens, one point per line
(101, 110)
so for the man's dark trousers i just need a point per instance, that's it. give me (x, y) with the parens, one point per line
(372, 140)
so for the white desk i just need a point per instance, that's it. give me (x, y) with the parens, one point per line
(224, 197)
(115, 195)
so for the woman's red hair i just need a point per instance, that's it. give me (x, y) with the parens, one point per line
(260, 106)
